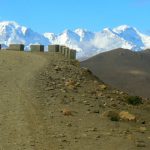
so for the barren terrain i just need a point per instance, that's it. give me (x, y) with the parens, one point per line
(50, 103)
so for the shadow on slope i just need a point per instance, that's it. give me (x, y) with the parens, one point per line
(123, 69)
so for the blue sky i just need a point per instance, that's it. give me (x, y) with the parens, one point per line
(57, 15)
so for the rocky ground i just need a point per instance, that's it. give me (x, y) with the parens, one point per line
(50, 103)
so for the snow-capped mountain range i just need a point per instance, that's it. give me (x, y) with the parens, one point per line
(85, 42)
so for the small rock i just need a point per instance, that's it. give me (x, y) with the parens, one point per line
(142, 129)
(86, 102)
(67, 112)
(61, 135)
(69, 125)
(77, 84)
(121, 93)
(140, 144)
(126, 116)
(96, 111)
(75, 140)
(92, 129)
(57, 68)
(102, 86)
(70, 82)
(98, 137)
(49, 88)
(63, 140)
(143, 122)
(84, 135)
(111, 99)
(32, 144)
(63, 90)
(37, 96)
(76, 137)
(83, 95)
(44, 118)
(99, 94)
(112, 114)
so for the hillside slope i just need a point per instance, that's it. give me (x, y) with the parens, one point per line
(50, 103)
(123, 69)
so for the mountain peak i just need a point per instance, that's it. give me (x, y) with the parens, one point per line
(9, 23)
(87, 43)
(67, 31)
(80, 30)
(122, 28)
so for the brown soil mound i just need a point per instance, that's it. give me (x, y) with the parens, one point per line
(126, 70)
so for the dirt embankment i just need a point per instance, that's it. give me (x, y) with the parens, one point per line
(49, 103)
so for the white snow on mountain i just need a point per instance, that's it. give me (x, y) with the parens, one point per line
(86, 43)
(11, 32)
(131, 35)
(51, 36)
(84, 35)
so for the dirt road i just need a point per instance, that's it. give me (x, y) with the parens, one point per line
(34, 92)
(18, 118)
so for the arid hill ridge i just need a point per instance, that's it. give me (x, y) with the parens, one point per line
(124, 69)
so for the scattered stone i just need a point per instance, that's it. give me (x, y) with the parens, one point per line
(57, 68)
(32, 144)
(102, 86)
(116, 92)
(108, 96)
(70, 84)
(98, 137)
(37, 96)
(77, 84)
(142, 129)
(84, 135)
(99, 94)
(85, 71)
(63, 90)
(111, 99)
(96, 111)
(61, 135)
(114, 105)
(75, 140)
(112, 115)
(63, 140)
(140, 144)
(121, 93)
(86, 102)
(143, 122)
(49, 88)
(67, 112)
(92, 92)
(126, 116)
(69, 125)
(83, 95)
(92, 129)
(45, 118)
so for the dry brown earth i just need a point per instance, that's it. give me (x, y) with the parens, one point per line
(50, 103)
